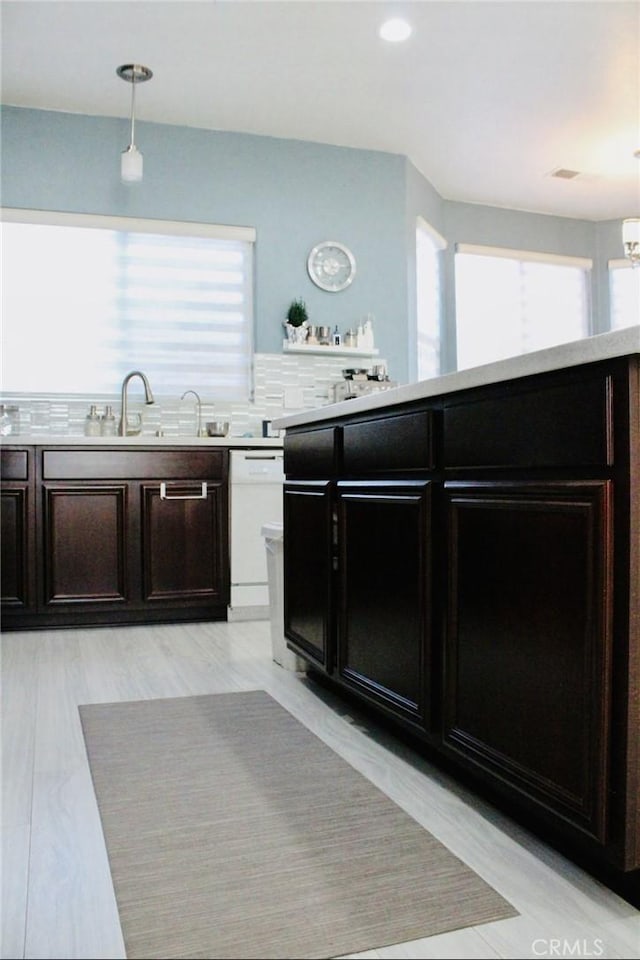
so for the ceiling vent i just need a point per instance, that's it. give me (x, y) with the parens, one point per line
(563, 174)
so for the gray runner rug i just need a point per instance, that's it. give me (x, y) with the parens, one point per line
(233, 831)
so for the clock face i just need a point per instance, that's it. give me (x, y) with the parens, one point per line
(331, 266)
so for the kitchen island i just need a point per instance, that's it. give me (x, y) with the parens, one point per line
(462, 555)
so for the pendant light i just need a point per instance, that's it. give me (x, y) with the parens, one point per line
(131, 158)
(631, 239)
(631, 233)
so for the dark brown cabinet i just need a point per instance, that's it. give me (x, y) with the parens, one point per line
(124, 536)
(384, 610)
(485, 547)
(357, 560)
(528, 649)
(18, 530)
(86, 538)
(185, 522)
(309, 608)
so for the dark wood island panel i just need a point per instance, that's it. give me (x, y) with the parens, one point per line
(478, 586)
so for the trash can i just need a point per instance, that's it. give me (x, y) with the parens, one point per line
(272, 533)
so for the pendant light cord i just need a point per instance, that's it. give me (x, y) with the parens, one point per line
(133, 112)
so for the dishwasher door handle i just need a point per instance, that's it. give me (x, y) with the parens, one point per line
(262, 456)
(183, 496)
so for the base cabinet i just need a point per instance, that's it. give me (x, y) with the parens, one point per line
(384, 611)
(123, 536)
(86, 543)
(184, 521)
(528, 646)
(18, 531)
(480, 584)
(309, 547)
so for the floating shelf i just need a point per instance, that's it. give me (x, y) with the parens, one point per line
(327, 350)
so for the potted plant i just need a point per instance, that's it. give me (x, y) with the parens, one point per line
(297, 320)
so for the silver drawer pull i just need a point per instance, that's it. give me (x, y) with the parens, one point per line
(183, 496)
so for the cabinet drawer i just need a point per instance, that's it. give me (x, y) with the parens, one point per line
(134, 464)
(312, 453)
(14, 464)
(555, 426)
(385, 444)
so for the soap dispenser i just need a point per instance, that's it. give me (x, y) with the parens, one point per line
(92, 422)
(108, 423)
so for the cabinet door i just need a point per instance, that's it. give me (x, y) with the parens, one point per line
(528, 640)
(185, 543)
(17, 555)
(85, 544)
(17, 513)
(308, 570)
(384, 534)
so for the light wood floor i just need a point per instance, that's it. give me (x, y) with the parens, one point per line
(57, 897)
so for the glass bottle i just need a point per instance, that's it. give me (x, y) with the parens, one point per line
(108, 423)
(92, 422)
(5, 422)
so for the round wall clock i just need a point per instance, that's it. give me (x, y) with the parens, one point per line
(331, 266)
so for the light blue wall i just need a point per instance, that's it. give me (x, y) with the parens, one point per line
(295, 194)
(493, 226)
(421, 201)
(514, 229)
(609, 247)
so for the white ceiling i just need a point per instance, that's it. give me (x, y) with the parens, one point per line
(486, 98)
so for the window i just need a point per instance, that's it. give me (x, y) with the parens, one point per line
(624, 294)
(87, 299)
(428, 299)
(511, 302)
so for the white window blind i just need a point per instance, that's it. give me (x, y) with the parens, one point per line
(511, 302)
(428, 299)
(624, 294)
(87, 299)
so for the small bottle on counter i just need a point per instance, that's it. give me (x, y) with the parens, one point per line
(336, 338)
(92, 422)
(9, 419)
(5, 422)
(367, 333)
(108, 423)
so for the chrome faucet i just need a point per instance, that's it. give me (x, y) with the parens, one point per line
(148, 398)
(198, 410)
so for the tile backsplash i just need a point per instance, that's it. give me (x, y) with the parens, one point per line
(283, 383)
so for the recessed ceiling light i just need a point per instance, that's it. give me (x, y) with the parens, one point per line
(395, 30)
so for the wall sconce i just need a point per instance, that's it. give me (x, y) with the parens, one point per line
(631, 239)
(131, 158)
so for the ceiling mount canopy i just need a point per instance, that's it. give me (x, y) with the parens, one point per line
(131, 158)
(134, 72)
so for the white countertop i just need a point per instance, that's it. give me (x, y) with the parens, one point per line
(43, 440)
(604, 346)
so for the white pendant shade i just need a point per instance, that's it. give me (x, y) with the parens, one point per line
(131, 165)
(631, 231)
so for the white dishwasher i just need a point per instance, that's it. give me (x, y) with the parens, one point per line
(256, 481)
